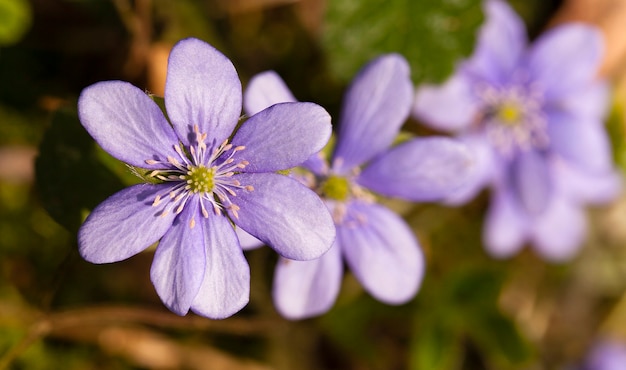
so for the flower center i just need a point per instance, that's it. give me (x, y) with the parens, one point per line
(514, 118)
(336, 188)
(200, 179)
(210, 177)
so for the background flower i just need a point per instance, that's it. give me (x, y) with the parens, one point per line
(534, 118)
(376, 243)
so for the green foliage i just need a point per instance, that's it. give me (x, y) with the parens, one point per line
(70, 175)
(432, 34)
(15, 20)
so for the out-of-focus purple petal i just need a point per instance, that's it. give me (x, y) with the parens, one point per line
(126, 123)
(583, 143)
(375, 106)
(565, 58)
(485, 168)
(606, 354)
(422, 169)
(559, 231)
(585, 187)
(264, 90)
(285, 215)
(282, 136)
(383, 253)
(531, 181)
(304, 289)
(506, 226)
(225, 288)
(316, 164)
(247, 241)
(179, 261)
(501, 42)
(201, 88)
(124, 224)
(449, 107)
(589, 102)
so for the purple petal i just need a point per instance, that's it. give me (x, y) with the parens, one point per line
(124, 224)
(247, 241)
(560, 230)
(531, 181)
(566, 58)
(285, 215)
(225, 288)
(485, 168)
(179, 261)
(202, 88)
(432, 104)
(501, 43)
(589, 102)
(304, 289)
(607, 354)
(383, 253)
(282, 136)
(264, 90)
(583, 143)
(375, 107)
(317, 164)
(585, 187)
(506, 227)
(422, 169)
(126, 123)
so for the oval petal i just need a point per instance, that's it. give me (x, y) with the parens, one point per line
(264, 90)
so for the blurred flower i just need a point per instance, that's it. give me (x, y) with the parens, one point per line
(202, 178)
(379, 247)
(534, 118)
(606, 355)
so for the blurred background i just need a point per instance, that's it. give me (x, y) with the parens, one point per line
(60, 312)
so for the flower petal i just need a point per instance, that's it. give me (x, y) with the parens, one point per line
(432, 104)
(179, 261)
(585, 187)
(375, 107)
(124, 224)
(282, 136)
(246, 240)
(566, 58)
(590, 102)
(583, 143)
(264, 90)
(383, 253)
(201, 88)
(501, 42)
(559, 231)
(506, 227)
(485, 168)
(423, 169)
(225, 288)
(126, 123)
(531, 181)
(304, 289)
(285, 215)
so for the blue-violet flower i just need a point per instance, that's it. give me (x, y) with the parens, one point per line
(534, 117)
(205, 181)
(378, 245)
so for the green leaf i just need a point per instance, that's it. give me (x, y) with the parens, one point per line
(432, 34)
(15, 20)
(435, 346)
(70, 177)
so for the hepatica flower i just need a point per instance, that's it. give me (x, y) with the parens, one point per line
(533, 115)
(205, 181)
(378, 246)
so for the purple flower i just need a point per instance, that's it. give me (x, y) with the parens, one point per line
(378, 246)
(533, 116)
(607, 354)
(205, 181)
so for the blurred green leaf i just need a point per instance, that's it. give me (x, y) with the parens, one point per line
(436, 346)
(15, 20)
(70, 176)
(432, 34)
(617, 132)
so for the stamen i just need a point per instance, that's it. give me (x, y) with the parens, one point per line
(157, 200)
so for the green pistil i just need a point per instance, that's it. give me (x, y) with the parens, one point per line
(509, 114)
(200, 179)
(337, 188)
